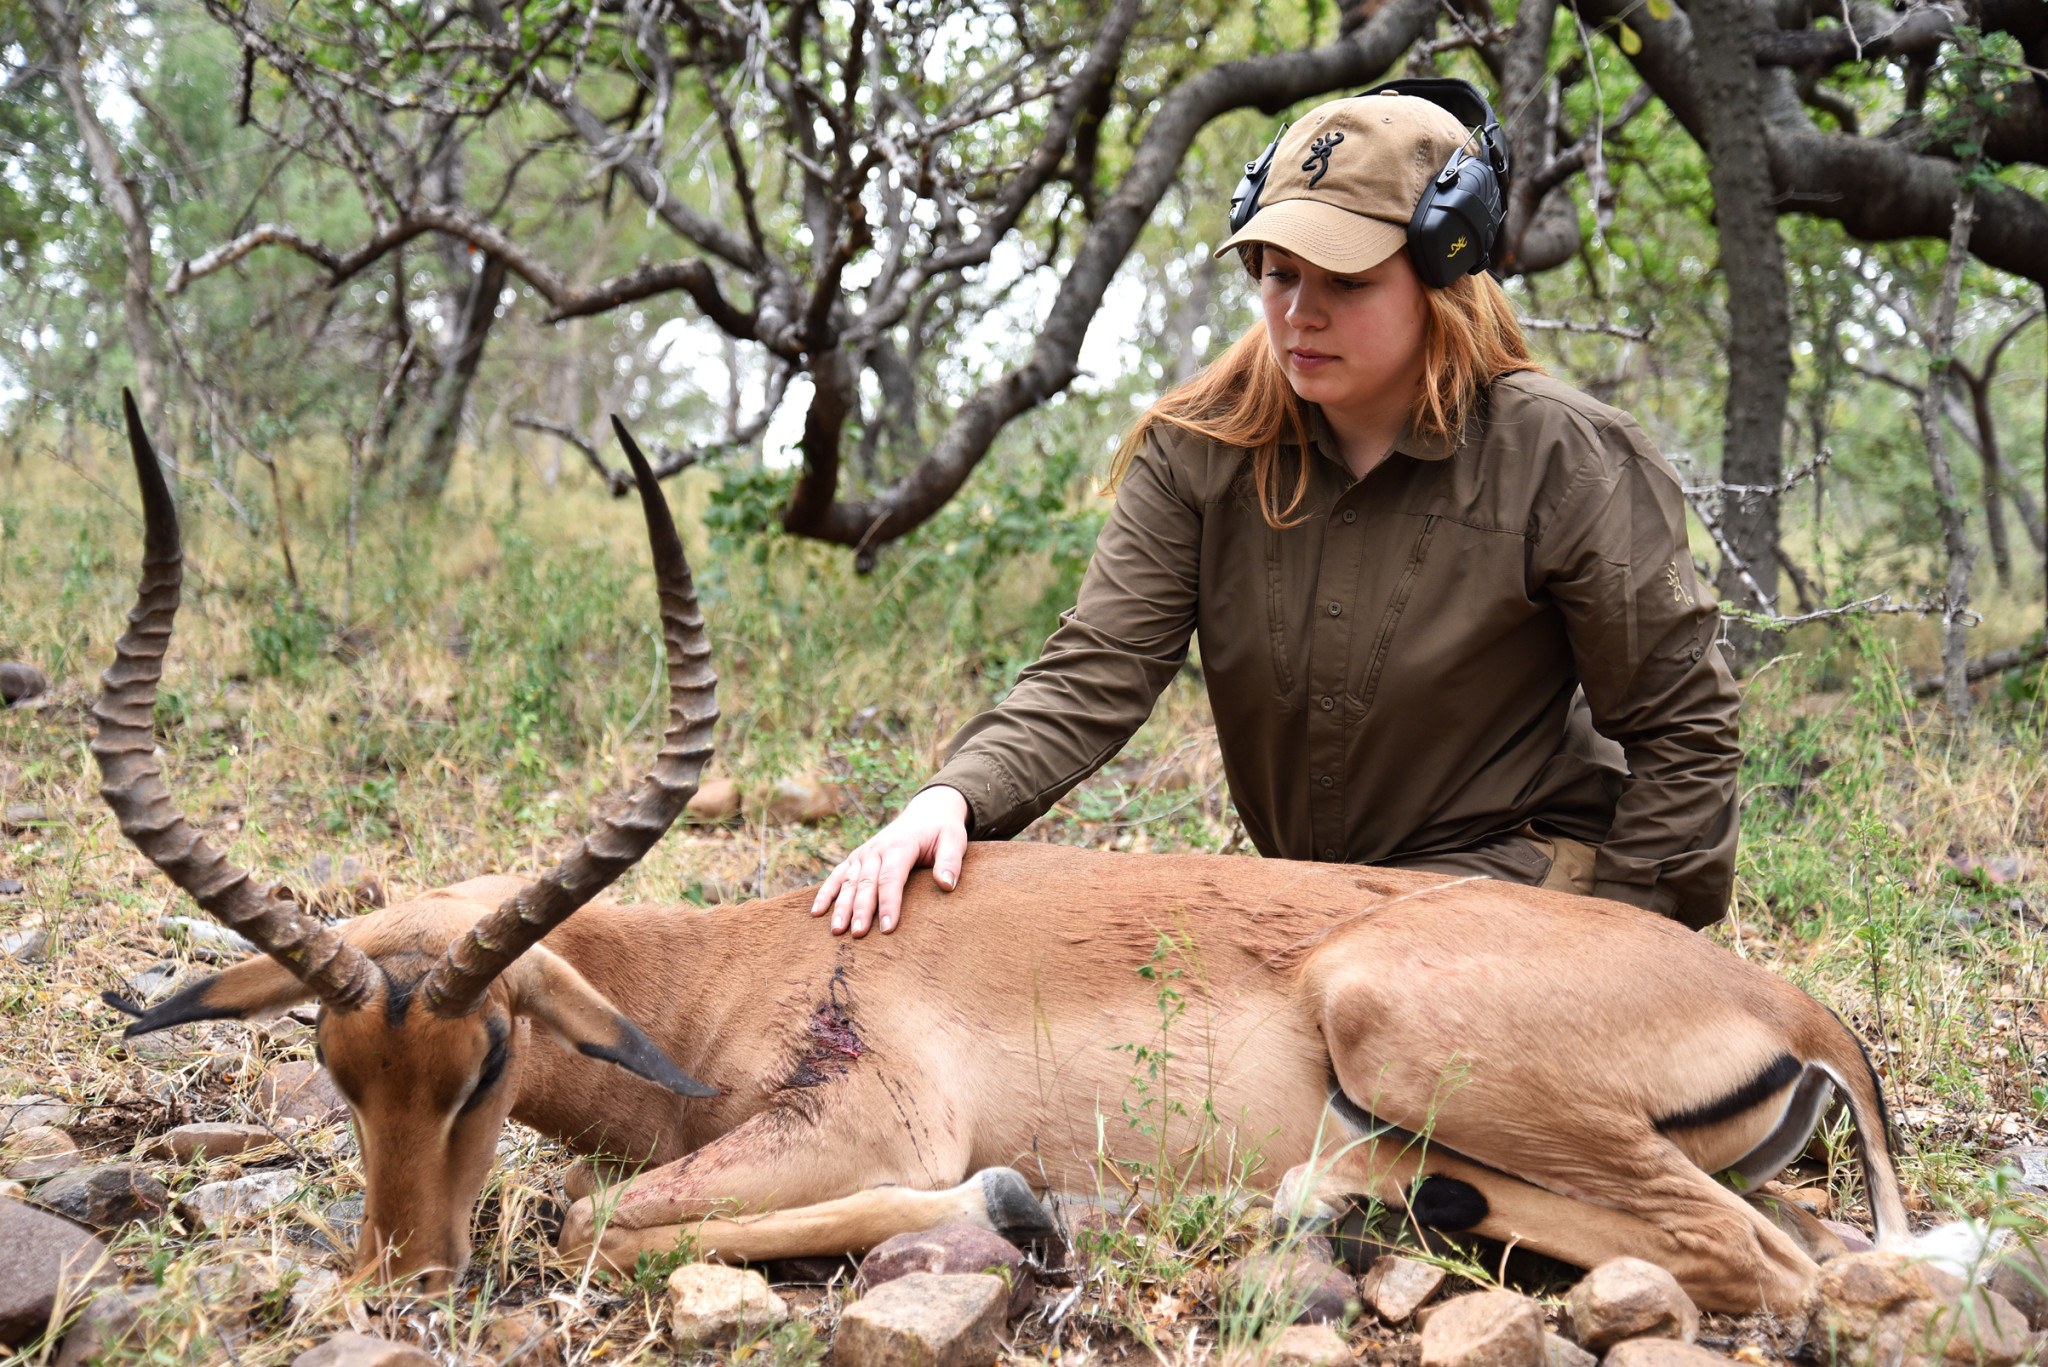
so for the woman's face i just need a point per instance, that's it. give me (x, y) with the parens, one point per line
(1347, 342)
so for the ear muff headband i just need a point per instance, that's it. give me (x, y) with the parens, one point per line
(1459, 217)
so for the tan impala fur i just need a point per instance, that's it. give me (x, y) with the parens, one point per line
(1553, 1071)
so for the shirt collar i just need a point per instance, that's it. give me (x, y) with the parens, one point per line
(1411, 443)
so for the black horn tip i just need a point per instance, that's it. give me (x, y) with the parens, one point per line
(642, 1057)
(159, 513)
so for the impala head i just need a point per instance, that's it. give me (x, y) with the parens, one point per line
(427, 1008)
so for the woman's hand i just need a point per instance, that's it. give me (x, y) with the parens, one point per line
(932, 830)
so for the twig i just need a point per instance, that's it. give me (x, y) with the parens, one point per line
(1983, 667)
(1641, 334)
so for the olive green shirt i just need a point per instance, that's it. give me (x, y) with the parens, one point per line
(1463, 643)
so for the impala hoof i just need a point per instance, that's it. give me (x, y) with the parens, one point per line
(579, 1230)
(1013, 1211)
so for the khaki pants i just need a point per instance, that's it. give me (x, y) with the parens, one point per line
(1542, 861)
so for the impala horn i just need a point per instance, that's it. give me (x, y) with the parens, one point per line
(341, 975)
(457, 983)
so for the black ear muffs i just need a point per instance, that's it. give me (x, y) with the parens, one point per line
(1244, 200)
(1459, 217)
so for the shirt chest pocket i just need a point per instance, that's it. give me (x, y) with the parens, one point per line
(1335, 599)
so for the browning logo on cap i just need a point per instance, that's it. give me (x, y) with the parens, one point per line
(1319, 151)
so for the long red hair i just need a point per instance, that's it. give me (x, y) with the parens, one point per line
(1470, 338)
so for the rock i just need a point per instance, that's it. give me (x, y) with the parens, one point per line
(2031, 1164)
(1853, 1239)
(711, 1303)
(1627, 1298)
(106, 1196)
(206, 1141)
(308, 1283)
(39, 1151)
(924, 1320)
(43, 1259)
(106, 1323)
(716, 799)
(1291, 1286)
(12, 1191)
(2021, 1276)
(21, 1112)
(1886, 1310)
(11, 887)
(951, 1249)
(20, 681)
(300, 1091)
(24, 946)
(1562, 1352)
(244, 1198)
(521, 1338)
(804, 800)
(1661, 1352)
(1485, 1329)
(23, 816)
(1395, 1287)
(1307, 1345)
(363, 1350)
(205, 939)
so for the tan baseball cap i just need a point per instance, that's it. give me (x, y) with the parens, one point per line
(1346, 180)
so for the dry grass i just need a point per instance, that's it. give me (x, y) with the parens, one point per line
(493, 676)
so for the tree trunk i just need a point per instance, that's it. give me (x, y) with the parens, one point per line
(59, 26)
(1759, 314)
(429, 474)
(1994, 475)
(1955, 537)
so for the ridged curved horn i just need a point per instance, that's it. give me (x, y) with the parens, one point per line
(456, 985)
(125, 746)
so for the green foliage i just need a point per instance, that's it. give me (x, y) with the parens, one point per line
(288, 641)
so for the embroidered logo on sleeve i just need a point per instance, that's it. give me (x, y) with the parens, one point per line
(1678, 590)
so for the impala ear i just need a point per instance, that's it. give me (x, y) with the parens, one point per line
(252, 988)
(549, 991)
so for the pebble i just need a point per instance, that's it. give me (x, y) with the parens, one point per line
(520, 1338)
(205, 939)
(41, 1258)
(1298, 1345)
(803, 800)
(1292, 1286)
(1887, 1310)
(716, 799)
(11, 887)
(924, 1320)
(710, 1303)
(1485, 1329)
(1628, 1298)
(207, 1141)
(951, 1249)
(363, 1350)
(19, 1113)
(38, 1151)
(20, 681)
(23, 946)
(21, 816)
(2021, 1276)
(1562, 1352)
(243, 1198)
(1661, 1352)
(1853, 1239)
(301, 1091)
(106, 1196)
(1396, 1287)
(102, 1326)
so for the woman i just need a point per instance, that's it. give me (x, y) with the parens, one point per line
(1447, 610)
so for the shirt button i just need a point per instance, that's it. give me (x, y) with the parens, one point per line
(1328, 702)
(1351, 514)
(1335, 610)
(1328, 781)
(1330, 853)
(1697, 652)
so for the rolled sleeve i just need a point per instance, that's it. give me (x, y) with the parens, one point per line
(1101, 671)
(1616, 561)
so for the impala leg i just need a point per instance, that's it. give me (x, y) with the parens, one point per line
(777, 1187)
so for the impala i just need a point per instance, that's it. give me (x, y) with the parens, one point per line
(1564, 1073)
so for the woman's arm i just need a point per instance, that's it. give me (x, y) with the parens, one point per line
(1615, 558)
(1091, 688)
